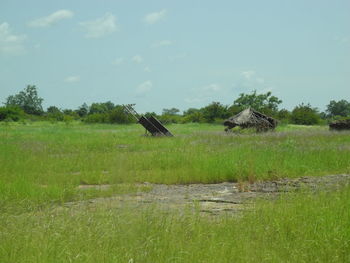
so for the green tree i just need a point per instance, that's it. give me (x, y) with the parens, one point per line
(213, 111)
(28, 100)
(103, 107)
(284, 115)
(117, 115)
(83, 110)
(54, 114)
(172, 111)
(305, 115)
(338, 108)
(53, 109)
(265, 103)
(190, 111)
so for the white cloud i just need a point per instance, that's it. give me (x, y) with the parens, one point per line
(10, 43)
(155, 17)
(144, 87)
(137, 59)
(147, 69)
(248, 74)
(162, 43)
(72, 79)
(51, 19)
(101, 26)
(118, 61)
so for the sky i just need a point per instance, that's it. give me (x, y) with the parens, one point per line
(184, 54)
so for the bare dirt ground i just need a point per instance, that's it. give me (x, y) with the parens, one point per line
(213, 198)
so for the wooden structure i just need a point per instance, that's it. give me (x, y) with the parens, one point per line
(151, 124)
(250, 118)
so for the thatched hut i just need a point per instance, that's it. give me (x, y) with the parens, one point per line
(250, 118)
(340, 125)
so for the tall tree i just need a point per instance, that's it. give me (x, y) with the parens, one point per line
(28, 100)
(338, 108)
(83, 110)
(265, 103)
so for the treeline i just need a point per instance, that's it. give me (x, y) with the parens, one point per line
(28, 105)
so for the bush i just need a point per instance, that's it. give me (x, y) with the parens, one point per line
(305, 115)
(117, 115)
(166, 119)
(97, 118)
(11, 113)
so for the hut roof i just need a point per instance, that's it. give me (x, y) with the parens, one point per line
(251, 118)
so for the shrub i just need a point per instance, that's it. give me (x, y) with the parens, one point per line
(305, 115)
(11, 113)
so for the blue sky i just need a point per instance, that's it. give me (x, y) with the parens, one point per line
(163, 54)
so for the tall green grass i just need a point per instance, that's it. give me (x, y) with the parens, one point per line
(296, 228)
(45, 162)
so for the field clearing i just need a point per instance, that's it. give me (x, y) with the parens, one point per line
(46, 165)
(45, 162)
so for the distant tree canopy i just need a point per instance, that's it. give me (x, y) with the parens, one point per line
(213, 111)
(53, 110)
(83, 110)
(101, 107)
(172, 111)
(265, 103)
(304, 114)
(28, 105)
(338, 108)
(28, 100)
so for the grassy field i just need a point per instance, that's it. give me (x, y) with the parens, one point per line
(42, 165)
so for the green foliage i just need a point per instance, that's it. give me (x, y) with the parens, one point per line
(265, 103)
(11, 113)
(306, 115)
(170, 118)
(114, 115)
(172, 111)
(43, 164)
(196, 116)
(28, 100)
(83, 110)
(338, 108)
(97, 118)
(54, 114)
(117, 115)
(283, 116)
(214, 111)
(103, 107)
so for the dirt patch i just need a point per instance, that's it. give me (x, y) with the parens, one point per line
(215, 198)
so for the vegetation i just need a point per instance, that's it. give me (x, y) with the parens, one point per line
(28, 100)
(108, 112)
(43, 164)
(338, 108)
(305, 115)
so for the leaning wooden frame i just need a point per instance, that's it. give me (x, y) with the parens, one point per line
(151, 124)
